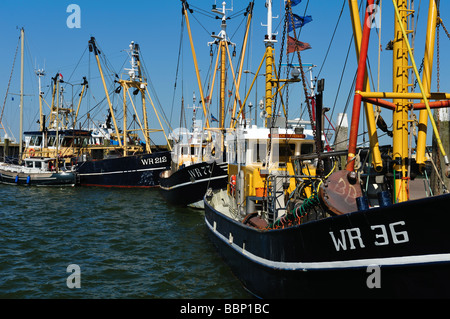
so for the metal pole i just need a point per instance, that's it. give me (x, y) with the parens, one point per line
(22, 37)
(360, 77)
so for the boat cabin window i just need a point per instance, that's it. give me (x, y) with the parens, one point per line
(36, 140)
(80, 141)
(67, 142)
(259, 152)
(285, 151)
(306, 148)
(31, 164)
(51, 141)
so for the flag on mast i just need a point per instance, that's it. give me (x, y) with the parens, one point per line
(298, 21)
(296, 45)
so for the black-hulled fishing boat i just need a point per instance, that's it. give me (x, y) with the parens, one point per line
(319, 230)
(188, 185)
(125, 161)
(198, 154)
(194, 168)
(124, 171)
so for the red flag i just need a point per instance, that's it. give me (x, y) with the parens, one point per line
(295, 45)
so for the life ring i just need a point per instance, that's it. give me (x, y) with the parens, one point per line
(32, 152)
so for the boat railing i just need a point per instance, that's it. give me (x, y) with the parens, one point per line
(278, 194)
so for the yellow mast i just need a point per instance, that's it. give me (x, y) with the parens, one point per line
(93, 47)
(194, 56)
(249, 18)
(269, 40)
(400, 14)
(426, 80)
(84, 84)
(400, 116)
(40, 73)
(52, 106)
(125, 137)
(223, 42)
(142, 89)
(223, 77)
(402, 55)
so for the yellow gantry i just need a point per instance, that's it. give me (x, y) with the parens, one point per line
(403, 61)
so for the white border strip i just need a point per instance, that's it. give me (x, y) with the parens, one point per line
(303, 266)
(121, 172)
(194, 182)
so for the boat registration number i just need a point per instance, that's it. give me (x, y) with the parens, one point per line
(382, 235)
(155, 160)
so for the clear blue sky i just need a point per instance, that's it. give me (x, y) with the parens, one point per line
(156, 26)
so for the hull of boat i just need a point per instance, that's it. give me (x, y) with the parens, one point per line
(400, 251)
(128, 171)
(38, 179)
(188, 185)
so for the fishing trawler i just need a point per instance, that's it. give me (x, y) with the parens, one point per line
(194, 167)
(125, 162)
(36, 171)
(198, 159)
(31, 168)
(319, 229)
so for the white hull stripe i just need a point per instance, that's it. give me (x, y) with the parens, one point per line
(121, 172)
(303, 266)
(195, 182)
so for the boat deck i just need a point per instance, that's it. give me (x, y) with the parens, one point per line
(418, 188)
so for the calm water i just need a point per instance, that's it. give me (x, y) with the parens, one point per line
(127, 243)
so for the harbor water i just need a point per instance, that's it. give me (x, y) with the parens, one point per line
(113, 243)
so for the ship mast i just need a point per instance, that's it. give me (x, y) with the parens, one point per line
(194, 56)
(40, 73)
(93, 48)
(22, 37)
(270, 40)
(401, 105)
(137, 82)
(400, 116)
(222, 41)
(370, 117)
(426, 80)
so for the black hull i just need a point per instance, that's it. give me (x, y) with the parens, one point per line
(45, 179)
(129, 171)
(189, 184)
(408, 245)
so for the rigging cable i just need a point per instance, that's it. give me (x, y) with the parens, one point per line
(9, 83)
(332, 38)
(180, 47)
